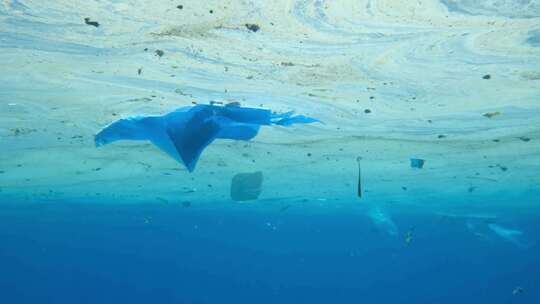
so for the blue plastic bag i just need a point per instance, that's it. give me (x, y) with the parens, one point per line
(186, 132)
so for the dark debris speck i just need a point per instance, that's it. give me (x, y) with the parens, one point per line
(253, 27)
(367, 111)
(160, 53)
(503, 168)
(92, 23)
(487, 76)
(491, 114)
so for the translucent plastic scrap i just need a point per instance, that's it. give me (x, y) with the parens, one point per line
(288, 119)
(185, 133)
(246, 186)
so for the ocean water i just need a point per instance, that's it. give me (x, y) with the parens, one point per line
(455, 84)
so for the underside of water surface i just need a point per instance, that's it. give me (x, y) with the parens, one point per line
(415, 181)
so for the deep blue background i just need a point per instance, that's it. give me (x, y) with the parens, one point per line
(107, 253)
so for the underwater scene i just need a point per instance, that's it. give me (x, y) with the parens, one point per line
(286, 151)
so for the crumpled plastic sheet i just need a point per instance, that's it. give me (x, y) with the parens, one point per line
(186, 132)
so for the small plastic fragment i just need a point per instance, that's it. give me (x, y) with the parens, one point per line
(417, 163)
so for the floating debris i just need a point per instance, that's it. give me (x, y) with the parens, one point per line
(160, 53)
(284, 208)
(383, 221)
(139, 71)
(367, 111)
(252, 27)
(92, 23)
(162, 200)
(525, 139)
(188, 190)
(180, 6)
(491, 114)
(417, 163)
(512, 235)
(184, 134)
(359, 190)
(287, 64)
(21, 131)
(246, 186)
(142, 99)
(487, 76)
(503, 168)
(409, 237)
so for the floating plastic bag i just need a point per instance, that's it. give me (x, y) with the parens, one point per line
(186, 132)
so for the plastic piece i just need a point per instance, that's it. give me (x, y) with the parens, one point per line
(186, 132)
(417, 163)
(246, 186)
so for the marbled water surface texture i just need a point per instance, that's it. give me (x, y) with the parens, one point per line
(453, 82)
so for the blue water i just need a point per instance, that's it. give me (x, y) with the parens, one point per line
(106, 253)
(453, 85)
